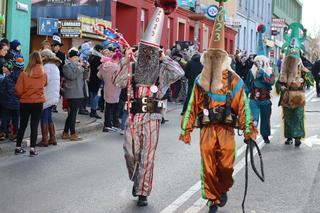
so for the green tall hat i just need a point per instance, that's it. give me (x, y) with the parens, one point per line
(294, 37)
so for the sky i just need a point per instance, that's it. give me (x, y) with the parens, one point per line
(311, 15)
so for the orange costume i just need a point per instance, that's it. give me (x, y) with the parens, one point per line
(216, 86)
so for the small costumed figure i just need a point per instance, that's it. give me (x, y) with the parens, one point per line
(153, 75)
(218, 104)
(291, 84)
(258, 87)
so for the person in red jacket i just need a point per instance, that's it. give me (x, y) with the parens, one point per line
(30, 91)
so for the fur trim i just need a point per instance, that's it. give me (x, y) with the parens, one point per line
(215, 61)
(263, 64)
(291, 71)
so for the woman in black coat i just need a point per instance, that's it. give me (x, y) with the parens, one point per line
(94, 81)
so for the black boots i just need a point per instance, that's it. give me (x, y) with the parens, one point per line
(297, 142)
(288, 141)
(213, 209)
(94, 114)
(142, 201)
(223, 200)
(266, 140)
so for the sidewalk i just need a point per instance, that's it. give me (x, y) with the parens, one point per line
(86, 125)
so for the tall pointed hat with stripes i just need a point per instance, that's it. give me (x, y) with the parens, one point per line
(218, 30)
(147, 69)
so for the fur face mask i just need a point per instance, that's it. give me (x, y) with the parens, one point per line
(214, 61)
(261, 63)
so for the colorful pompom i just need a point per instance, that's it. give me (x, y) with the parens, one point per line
(167, 5)
(261, 28)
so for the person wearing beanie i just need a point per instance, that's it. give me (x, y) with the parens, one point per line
(15, 50)
(218, 104)
(52, 94)
(94, 81)
(152, 80)
(30, 89)
(74, 74)
(9, 101)
(111, 92)
(56, 49)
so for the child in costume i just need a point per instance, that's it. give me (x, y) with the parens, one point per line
(217, 105)
(258, 87)
(291, 85)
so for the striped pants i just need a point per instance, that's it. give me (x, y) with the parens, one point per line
(140, 152)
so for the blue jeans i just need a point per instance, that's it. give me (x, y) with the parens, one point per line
(124, 119)
(94, 100)
(46, 116)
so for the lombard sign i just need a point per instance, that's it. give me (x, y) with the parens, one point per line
(70, 28)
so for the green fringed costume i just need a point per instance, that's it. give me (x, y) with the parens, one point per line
(291, 83)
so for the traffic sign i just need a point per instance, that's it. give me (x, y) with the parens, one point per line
(212, 12)
(275, 32)
(47, 26)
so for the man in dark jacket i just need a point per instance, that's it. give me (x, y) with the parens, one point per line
(56, 46)
(94, 81)
(192, 70)
(316, 75)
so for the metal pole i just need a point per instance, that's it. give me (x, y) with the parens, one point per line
(196, 26)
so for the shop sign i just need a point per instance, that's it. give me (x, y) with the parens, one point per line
(47, 26)
(87, 29)
(278, 23)
(70, 28)
(22, 7)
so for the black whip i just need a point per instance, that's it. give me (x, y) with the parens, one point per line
(251, 144)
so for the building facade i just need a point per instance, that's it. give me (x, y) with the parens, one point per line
(131, 17)
(76, 20)
(251, 13)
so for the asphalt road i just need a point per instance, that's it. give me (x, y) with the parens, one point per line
(90, 176)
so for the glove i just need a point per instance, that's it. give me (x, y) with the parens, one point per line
(252, 135)
(186, 138)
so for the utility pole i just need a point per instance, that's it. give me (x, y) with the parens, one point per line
(196, 26)
(197, 17)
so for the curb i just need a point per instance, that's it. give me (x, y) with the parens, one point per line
(8, 147)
